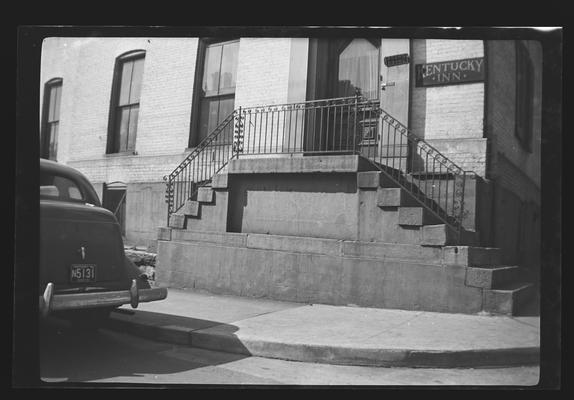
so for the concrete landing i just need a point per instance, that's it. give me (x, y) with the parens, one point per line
(333, 334)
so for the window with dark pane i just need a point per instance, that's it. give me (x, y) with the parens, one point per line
(524, 96)
(126, 102)
(217, 92)
(51, 119)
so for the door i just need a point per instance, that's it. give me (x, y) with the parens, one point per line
(394, 100)
(114, 199)
(340, 68)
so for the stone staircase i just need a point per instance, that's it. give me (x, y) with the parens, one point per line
(403, 256)
(503, 290)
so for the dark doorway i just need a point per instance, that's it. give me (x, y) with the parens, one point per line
(339, 68)
(114, 199)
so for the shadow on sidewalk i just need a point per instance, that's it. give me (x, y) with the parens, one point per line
(68, 354)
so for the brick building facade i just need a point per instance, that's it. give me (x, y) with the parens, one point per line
(474, 123)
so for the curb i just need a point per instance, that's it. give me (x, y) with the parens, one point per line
(373, 357)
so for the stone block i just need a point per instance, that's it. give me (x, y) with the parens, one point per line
(507, 301)
(294, 244)
(437, 235)
(177, 221)
(390, 197)
(205, 195)
(220, 181)
(369, 179)
(412, 216)
(388, 251)
(224, 238)
(164, 233)
(489, 278)
(191, 208)
(472, 256)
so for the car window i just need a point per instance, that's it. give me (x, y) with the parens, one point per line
(56, 187)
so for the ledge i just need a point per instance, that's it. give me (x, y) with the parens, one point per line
(297, 164)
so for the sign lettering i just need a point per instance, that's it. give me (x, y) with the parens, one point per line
(450, 72)
(397, 59)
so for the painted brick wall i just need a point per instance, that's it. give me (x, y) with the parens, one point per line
(514, 168)
(86, 66)
(262, 71)
(453, 111)
(59, 60)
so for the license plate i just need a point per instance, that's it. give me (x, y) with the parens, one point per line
(83, 273)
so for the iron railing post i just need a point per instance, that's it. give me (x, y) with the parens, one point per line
(461, 216)
(355, 121)
(238, 134)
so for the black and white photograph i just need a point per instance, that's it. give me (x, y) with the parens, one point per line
(255, 207)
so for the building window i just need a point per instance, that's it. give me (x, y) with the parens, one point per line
(125, 103)
(215, 98)
(524, 96)
(51, 119)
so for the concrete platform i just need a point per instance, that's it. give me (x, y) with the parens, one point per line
(333, 334)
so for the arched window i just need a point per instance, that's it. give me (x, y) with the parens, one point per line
(125, 102)
(50, 118)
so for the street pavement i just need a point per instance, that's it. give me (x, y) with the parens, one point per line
(105, 358)
(342, 335)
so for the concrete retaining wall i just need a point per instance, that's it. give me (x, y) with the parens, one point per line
(321, 271)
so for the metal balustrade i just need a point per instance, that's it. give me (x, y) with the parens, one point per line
(197, 169)
(349, 125)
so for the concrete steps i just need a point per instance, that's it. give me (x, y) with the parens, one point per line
(492, 277)
(509, 299)
(429, 229)
(400, 255)
(207, 211)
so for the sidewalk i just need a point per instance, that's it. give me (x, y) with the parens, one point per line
(333, 334)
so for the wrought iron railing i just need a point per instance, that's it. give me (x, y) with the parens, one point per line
(319, 126)
(209, 157)
(349, 125)
(429, 176)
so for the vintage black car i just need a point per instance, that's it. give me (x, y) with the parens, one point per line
(84, 272)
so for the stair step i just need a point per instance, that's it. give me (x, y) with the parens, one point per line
(177, 221)
(220, 181)
(508, 300)
(373, 180)
(394, 197)
(491, 278)
(438, 235)
(480, 257)
(191, 208)
(416, 216)
(205, 194)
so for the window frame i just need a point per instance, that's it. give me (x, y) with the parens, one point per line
(202, 46)
(524, 96)
(45, 132)
(64, 182)
(114, 113)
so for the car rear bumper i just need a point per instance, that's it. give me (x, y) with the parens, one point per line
(50, 302)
